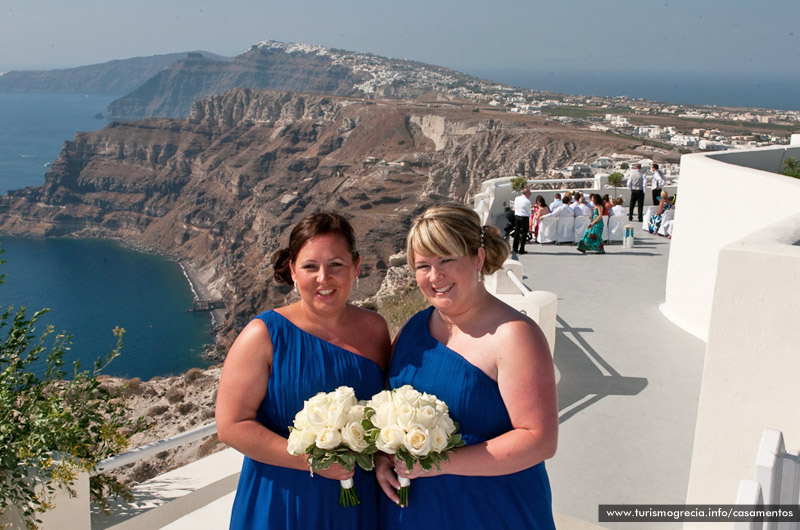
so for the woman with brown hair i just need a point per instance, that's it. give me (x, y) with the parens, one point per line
(593, 236)
(287, 355)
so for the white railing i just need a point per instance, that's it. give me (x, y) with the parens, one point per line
(516, 281)
(541, 306)
(776, 481)
(154, 448)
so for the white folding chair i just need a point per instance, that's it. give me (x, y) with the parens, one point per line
(548, 229)
(666, 217)
(649, 212)
(616, 227)
(564, 230)
(579, 227)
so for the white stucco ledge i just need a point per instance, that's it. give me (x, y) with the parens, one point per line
(781, 238)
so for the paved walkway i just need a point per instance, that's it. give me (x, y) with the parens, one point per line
(630, 379)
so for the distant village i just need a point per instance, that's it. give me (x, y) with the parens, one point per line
(705, 139)
(383, 72)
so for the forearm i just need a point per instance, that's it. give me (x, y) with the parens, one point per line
(252, 439)
(508, 453)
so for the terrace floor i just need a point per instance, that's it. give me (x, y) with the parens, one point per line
(628, 388)
(629, 379)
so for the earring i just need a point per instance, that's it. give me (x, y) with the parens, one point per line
(356, 282)
(480, 276)
(295, 288)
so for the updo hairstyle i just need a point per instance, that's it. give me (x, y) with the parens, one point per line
(314, 225)
(455, 230)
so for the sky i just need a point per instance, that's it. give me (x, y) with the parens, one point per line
(736, 36)
(523, 43)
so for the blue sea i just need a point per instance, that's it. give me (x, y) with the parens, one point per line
(91, 286)
(771, 91)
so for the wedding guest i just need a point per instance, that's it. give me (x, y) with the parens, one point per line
(556, 202)
(607, 204)
(658, 183)
(583, 207)
(593, 236)
(576, 204)
(492, 366)
(285, 356)
(636, 182)
(564, 210)
(663, 205)
(522, 223)
(541, 210)
(618, 208)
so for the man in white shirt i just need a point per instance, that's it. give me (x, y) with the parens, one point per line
(576, 205)
(522, 220)
(564, 210)
(556, 203)
(637, 182)
(617, 209)
(583, 207)
(658, 183)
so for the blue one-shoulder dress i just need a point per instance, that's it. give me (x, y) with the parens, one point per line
(518, 500)
(280, 498)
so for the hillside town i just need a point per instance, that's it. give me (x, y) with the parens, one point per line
(612, 115)
(619, 111)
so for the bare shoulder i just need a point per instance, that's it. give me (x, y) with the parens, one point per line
(370, 333)
(519, 332)
(253, 341)
(367, 321)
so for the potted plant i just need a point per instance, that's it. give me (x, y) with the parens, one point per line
(43, 411)
(616, 180)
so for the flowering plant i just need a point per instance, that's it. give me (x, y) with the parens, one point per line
(413, 426)
(329, 430)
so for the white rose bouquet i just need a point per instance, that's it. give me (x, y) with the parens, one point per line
(413, 426)
(329, 430)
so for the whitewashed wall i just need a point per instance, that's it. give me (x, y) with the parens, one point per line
(719, 203)
(752, 361)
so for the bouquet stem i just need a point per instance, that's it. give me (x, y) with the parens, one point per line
(405, 483)
(347, 493)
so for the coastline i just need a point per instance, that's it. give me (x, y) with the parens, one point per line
(194, 278)
(201, 291)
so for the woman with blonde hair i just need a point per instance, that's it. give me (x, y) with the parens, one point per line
(492, 366)
(287, 355)
(663, 205)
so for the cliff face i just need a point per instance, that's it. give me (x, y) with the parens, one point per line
(171, 92)
(223, 187)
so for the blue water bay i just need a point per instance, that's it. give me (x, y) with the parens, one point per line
(91, 286)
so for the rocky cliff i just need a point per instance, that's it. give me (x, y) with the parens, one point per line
(222, 187)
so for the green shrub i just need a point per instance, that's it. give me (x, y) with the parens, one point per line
(791, 168)
(518, 183)
(41, 415)
(616, 180)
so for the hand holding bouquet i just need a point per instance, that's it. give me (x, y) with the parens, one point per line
(413, 426)
(329, 430)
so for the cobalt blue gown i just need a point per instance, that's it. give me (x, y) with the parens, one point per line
(271, 497)
(518, 500)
